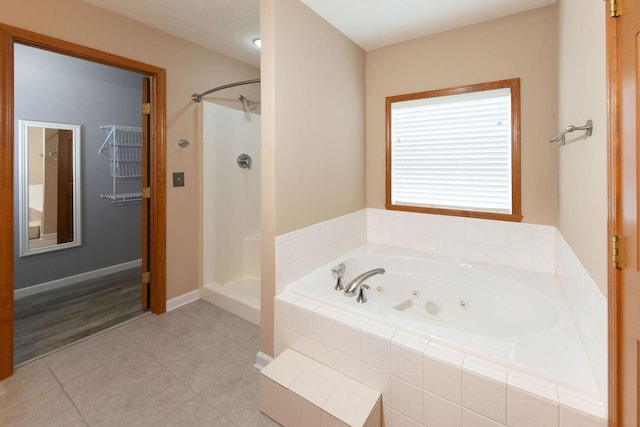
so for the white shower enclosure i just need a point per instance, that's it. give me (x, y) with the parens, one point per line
(231, 210)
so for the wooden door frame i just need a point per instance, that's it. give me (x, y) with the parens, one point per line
(8, 36)
(613, 226)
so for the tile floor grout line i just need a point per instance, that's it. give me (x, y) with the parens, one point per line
(66, 393)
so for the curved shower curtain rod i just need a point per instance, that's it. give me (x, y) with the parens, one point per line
(197, 97)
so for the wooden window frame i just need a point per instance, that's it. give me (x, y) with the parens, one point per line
(516, 197)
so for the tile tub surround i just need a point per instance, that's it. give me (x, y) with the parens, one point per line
(306, 249)
(423, 382)
(499, 244)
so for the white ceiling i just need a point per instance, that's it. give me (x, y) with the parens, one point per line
(229, 26)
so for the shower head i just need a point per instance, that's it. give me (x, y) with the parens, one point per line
(247, 102)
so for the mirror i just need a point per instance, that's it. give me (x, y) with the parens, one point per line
(49, 182)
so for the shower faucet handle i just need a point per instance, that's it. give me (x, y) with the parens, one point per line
(338, 274)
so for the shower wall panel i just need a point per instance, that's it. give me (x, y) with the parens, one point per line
(231, 195)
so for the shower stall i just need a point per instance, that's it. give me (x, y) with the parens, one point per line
(230, 165)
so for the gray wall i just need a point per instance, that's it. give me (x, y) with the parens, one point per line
(56, 88)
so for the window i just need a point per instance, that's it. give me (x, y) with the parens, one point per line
(456, 151)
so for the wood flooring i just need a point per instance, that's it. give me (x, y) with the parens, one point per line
(53, 319)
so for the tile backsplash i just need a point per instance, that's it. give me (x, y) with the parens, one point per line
(471, 240)
(304, 250)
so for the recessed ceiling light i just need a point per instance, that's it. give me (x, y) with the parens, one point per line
(257, 42)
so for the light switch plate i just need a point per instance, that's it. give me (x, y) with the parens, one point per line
(178, 179)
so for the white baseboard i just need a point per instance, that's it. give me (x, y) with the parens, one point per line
(262, 360)
(183, 299)
(65, 281)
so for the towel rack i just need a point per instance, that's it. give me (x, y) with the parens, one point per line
(588, 128)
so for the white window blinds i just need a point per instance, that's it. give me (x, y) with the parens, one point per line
(453, 152)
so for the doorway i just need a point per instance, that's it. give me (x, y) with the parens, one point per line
(153, 176)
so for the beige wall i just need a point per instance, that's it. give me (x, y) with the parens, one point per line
(582, 163)
(190, 69)
(312, 129)
(522, 45)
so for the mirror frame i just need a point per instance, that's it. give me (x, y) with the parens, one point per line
(23, 186)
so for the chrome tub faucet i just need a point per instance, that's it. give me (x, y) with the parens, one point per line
(352, 288)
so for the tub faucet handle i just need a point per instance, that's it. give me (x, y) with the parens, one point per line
(338, 274)
(361, 298)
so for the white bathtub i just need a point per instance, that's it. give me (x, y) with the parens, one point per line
(518, 320)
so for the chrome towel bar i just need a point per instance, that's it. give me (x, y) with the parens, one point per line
(588, 128)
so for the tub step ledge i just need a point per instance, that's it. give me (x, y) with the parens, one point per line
(296, 390)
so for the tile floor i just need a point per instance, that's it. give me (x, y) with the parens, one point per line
(190, 367)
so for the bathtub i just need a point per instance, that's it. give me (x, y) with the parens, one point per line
(517, 320)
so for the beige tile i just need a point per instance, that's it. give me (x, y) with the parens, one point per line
(400, 420)
(96, 387)
(443, 379)
(407, 399)
(375, 417)
(27, 382)
(375, 351)
(528, 410)
(349, 366)
(274, 400)
(485, 396)
(581, 402)
(387, 414)
(377, 380)
(49, 409)
(90, 355)
(572, 418)
(347, 339)
(316, 383)
(194, 413)
(352, 402)
(323, 354)
(144, 403)
(532, 385)
(406, 362)
(471, 419)
(440, 412)
(328, 420)
(288, 366)
(302, 412)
